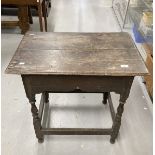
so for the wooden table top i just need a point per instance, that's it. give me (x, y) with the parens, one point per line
(98, 54)
(19, 2)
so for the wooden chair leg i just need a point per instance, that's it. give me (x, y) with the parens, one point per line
(40, 17)
(49, 3)
(105, 97)
(30, 15)
(45, 14)
(23, 19)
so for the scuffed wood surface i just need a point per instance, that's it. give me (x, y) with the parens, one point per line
(100, 54)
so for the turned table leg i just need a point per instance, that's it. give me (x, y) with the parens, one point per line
(105, 97)
(44, 9)
(46, 97)
(23, 19)
(36, 121)
(117, 120)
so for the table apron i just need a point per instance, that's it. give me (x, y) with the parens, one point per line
(35, 84)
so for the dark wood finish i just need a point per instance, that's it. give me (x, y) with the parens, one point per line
(9, 23)
(41, 106)
(45, 13)
(18, 2)
(117, 122)
(71, 83)
(40, 16)
(23, 19)
(35, 84)
(111, 107)
(105, 97)
(36, 122)
(77, 63)
(46, 96)
(69, 131)
(23, 22)
(24, 15)
(30, 15)
(111, 54)
(76, 131)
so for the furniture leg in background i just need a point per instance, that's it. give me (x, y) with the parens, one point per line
(105, 97)
(23, 22)
(30, 15)
(44, 8)
(40, 14)
(23, 19)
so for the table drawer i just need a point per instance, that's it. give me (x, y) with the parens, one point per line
(40, 83)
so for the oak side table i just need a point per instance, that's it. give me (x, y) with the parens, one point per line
(80, 63)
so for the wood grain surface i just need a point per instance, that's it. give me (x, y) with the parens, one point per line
(111, 54)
